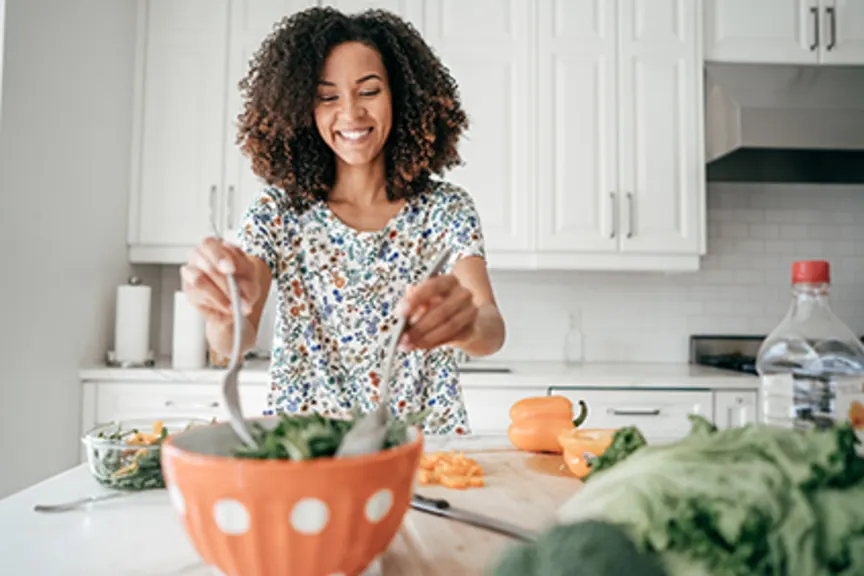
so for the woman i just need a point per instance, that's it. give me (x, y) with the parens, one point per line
(347, 119)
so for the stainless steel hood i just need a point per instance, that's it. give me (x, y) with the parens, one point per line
(784, 123)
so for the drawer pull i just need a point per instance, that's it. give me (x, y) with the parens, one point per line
(213, 404)
(634, 411)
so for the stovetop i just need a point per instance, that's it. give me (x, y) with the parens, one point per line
(728, 352)
(736, 362)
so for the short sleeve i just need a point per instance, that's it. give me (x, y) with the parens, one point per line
(462, 228)
(262, 228)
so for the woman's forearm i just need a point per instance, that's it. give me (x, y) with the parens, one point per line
(220, 336)
(488, 334)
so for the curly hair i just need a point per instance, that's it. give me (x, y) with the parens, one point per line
(277, 128)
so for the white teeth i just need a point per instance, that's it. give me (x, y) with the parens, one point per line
(354, 134)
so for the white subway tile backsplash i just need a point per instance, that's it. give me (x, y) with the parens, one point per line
(754, 233)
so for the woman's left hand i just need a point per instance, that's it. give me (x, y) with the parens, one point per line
(440, 311)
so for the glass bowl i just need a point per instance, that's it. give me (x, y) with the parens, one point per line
(126, 454)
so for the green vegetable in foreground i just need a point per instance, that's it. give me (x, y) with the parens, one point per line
(306, 437)
(743, 501)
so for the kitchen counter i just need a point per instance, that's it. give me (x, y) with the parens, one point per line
(140, 535)
(485, 374)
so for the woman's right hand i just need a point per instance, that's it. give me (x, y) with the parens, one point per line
(205, 284)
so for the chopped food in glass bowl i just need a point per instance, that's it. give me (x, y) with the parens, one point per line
(126, 454)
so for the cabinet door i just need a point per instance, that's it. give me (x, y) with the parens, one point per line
(251, 22)
(121, 401)
(489, 408)
(660, 415)
(733, 409)
(843, 32)
(577, 127)
(486, 44)
(182, 123)
(767, 31)
(661, 149)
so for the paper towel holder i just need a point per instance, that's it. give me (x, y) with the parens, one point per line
(112, 362)
(111, 356)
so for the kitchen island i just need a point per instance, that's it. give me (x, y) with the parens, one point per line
(141, 534)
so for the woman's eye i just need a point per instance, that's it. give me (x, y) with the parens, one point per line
(327, 98)
(373, 92)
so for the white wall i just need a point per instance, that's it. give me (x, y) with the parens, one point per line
(64, 175)
(755, 232)
(2, 29)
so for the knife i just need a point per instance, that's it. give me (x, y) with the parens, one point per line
(441, 507)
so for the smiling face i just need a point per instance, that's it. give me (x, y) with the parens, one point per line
(353, 112)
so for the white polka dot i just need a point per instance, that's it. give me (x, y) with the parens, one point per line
(231, 516)
(309, 516)
(177, 499)
(379, 505)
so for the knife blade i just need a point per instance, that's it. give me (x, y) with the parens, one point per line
(442, 508)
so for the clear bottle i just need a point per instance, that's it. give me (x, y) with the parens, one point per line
(573, 340)
(812, 364)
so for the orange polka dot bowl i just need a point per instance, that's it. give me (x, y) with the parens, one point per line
(321, 517)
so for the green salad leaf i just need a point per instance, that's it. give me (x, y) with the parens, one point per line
(310, 436)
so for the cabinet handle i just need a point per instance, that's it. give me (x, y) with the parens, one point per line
(634, 411)
(213, 404)
(230, 201)
(614, 215)
(213, 209)
(815, 12)
(831, 14)
(629, 215)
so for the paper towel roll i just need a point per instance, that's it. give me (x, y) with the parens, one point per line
(189, 347)
(132, 323)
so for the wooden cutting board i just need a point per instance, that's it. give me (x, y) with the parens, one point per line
(524, 489)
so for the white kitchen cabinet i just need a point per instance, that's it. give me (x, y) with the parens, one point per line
(486, 44)
(124, 400)
(734, 408)
(661, 415)
(619, 127)
(844, 32)
(179, 122)
(489, 407)
(785, 31)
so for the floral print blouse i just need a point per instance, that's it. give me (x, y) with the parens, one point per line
(337, 289)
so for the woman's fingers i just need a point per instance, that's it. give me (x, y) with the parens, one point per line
(421, 294)
(440, 313)
(215, 259)
(202, 291)
(451, 328)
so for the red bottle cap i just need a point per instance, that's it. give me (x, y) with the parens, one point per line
(811, 272)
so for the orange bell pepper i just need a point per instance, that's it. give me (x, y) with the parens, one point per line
(537, 422)
(582, 446)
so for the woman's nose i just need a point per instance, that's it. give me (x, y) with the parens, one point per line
(352, 108)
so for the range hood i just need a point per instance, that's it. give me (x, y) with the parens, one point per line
(784, 123)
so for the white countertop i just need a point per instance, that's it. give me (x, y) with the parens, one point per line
(539, 375)
(136, 535)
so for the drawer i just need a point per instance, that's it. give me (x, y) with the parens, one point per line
(735, 408)
(489, 408)
(165, 400)
(661, 415)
